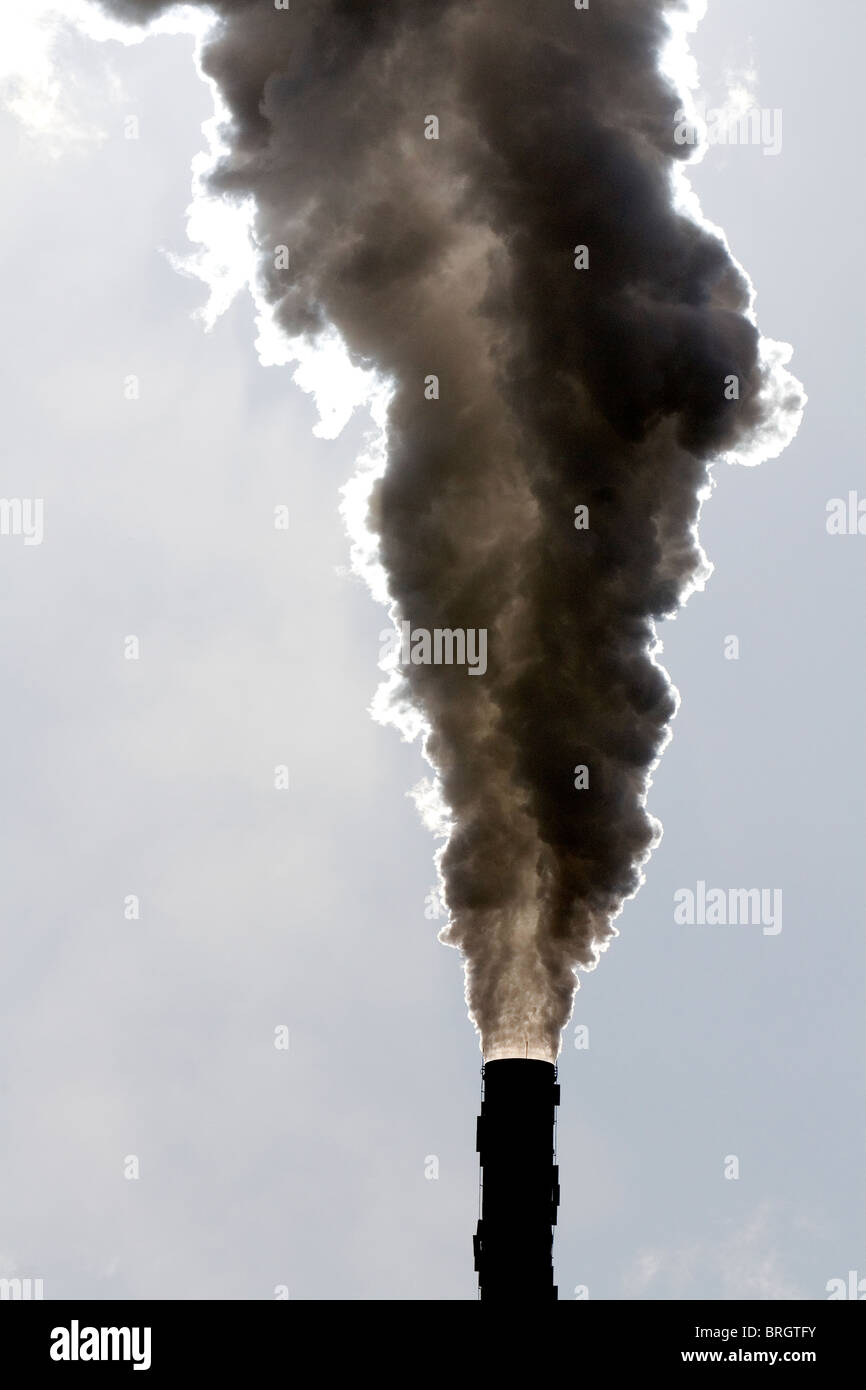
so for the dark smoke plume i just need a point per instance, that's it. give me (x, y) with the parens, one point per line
(607, 387)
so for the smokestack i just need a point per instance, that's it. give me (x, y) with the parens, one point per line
(519, 1180)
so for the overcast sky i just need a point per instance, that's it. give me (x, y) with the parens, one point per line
(153, 1039)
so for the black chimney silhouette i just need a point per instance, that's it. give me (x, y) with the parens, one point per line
(519, 1181)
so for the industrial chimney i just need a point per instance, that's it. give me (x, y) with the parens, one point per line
(519, 1180)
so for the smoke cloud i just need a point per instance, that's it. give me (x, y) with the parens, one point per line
(608, 378)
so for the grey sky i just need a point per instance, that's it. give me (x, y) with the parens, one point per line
(306, 907)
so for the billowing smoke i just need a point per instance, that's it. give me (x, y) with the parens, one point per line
(606, 378)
